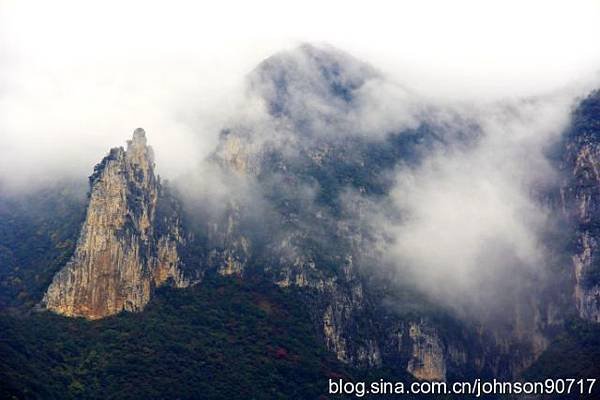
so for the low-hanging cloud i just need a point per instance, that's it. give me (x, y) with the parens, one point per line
(472, 225)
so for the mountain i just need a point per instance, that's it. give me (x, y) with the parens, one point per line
(322, 180)
(286, 269)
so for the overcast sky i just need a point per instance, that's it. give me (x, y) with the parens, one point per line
(78, 77)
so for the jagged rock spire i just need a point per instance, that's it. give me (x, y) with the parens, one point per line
(120, 256)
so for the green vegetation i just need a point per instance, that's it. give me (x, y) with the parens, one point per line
(574, 354)
(224, 339)
(38, 233)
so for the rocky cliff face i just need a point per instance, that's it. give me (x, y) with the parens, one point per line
(580, 195)
(127, 247)
(427, 360)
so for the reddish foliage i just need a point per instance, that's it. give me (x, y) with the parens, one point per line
(280, 352)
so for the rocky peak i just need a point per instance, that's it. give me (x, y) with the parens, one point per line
(121, 256)
(138, 152)
(309, 83)
(139, 137)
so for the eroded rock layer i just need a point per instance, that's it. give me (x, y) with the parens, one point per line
(126, 247)
(580, 197)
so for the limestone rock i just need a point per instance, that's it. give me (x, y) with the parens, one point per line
(580, 197)
(125, 248)
(428, 354)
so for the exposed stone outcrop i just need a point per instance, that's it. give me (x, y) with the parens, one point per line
(427, 360)
(587, 296)
(580, 196)
(126, 247)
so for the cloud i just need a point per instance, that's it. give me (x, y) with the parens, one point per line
(472, 229)
(77, 79)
